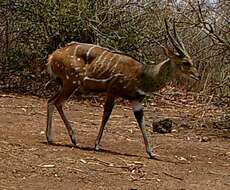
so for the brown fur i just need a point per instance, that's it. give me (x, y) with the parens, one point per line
(87, 67)
(67, 66)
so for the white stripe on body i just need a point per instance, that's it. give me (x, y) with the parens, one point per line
(98, 61)
(108, 62)
(100, 57)
(98, 80)
(102, 63)
(75, 53)
(88, 53)
(115, 65)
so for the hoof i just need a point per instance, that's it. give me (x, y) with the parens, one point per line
(50, 141)
(73, 137)
(97, 147)
(74, 141)
(152, 156)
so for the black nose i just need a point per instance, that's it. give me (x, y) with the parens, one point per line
(199, 77)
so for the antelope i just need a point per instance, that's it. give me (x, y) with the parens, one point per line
(91, 68)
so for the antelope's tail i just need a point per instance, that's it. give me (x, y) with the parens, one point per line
(53, 77)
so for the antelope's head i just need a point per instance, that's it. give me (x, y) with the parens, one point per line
(181, 59)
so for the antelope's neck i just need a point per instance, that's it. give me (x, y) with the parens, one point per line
(157, 76)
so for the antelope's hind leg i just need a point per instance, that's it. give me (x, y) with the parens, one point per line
(58, 100)
(50, 110)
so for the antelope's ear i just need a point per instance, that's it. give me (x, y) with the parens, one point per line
(166, 51)
(169, 53)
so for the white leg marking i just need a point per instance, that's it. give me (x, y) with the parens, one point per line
(137, 106)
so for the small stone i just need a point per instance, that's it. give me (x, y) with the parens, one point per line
(48, 166)
(182, 158)
(174, 131)
(83, 161)
(205, 139)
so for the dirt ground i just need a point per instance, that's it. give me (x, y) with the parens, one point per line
(196, 155)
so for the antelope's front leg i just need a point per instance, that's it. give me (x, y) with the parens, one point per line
(139, 115)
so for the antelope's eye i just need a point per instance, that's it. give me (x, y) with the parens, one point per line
(186, 64)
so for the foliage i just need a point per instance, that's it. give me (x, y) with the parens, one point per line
(31, 29)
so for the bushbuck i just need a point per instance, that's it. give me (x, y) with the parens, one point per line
(91, 68)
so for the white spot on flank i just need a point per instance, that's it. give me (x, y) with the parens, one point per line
(78, 59)
(67, 77)
(77, 68)
(113, 56)
(74, 82)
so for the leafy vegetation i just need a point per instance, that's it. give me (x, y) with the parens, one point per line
(31, 29)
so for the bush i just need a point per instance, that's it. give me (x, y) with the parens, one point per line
(32, 29)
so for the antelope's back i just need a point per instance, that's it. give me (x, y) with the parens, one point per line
(78, 60)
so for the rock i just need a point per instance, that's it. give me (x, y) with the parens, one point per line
(205, 139)
(162, 126)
